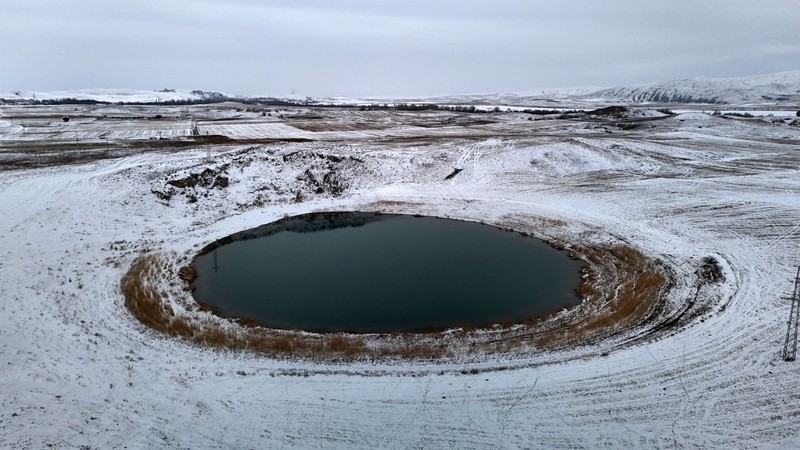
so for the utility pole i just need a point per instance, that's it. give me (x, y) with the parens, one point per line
(790, 345)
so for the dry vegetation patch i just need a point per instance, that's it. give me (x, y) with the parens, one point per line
(621, 289)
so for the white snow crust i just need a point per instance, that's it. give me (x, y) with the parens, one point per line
(78, 371)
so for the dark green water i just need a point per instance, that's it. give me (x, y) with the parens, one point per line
(366, 273)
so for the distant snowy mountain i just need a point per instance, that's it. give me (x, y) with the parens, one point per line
(782, 88)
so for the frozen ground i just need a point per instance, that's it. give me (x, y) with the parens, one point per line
(79, 200)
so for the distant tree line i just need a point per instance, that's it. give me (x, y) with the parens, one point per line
(58, 101)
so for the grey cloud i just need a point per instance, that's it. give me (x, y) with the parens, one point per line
(374, 47)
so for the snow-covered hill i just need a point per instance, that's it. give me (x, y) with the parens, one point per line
(776, 89)
(782, 88)
(114, 95)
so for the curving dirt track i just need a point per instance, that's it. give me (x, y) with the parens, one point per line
(76, 369)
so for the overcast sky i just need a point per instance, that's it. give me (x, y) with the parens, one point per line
(375, 47)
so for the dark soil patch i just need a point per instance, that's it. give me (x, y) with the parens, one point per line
(453, 174)
(611, 111)
(211, 139)
(361, 126)
(206, 178)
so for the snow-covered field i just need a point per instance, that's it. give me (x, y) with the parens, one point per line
(110, 95)
(77, 370)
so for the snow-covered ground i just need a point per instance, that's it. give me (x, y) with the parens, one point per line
(77, 370)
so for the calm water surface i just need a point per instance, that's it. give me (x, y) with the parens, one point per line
(364, 273)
